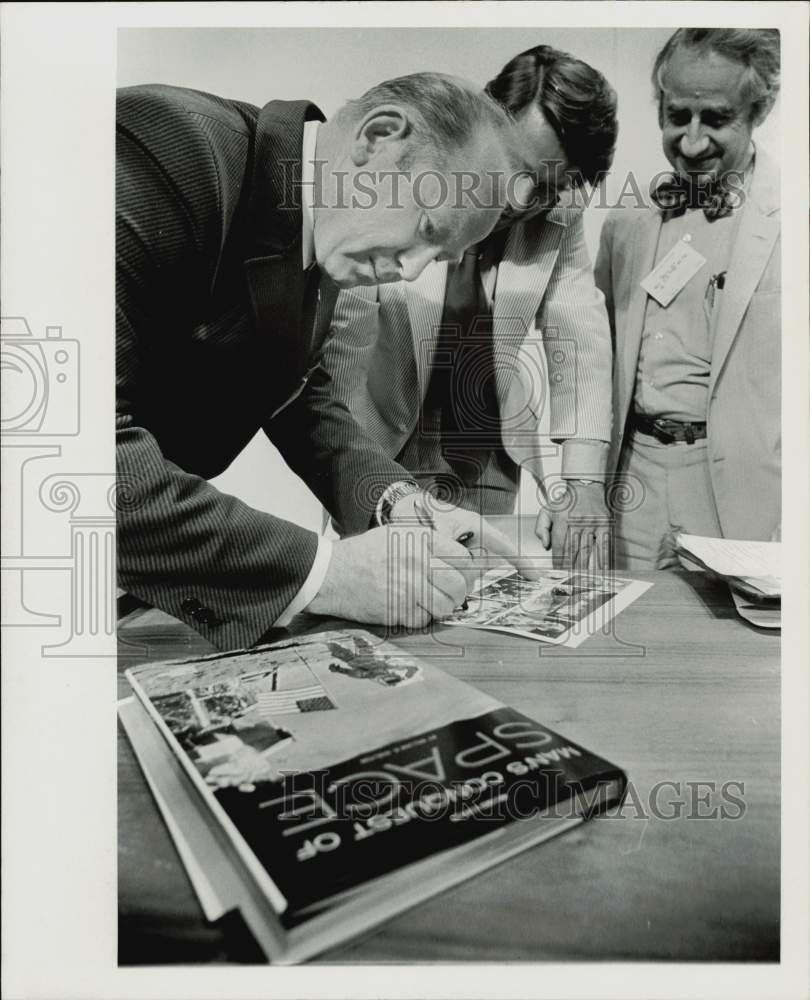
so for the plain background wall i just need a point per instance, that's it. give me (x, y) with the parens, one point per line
(330, 65)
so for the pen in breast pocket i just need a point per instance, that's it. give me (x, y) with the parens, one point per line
(717, 282)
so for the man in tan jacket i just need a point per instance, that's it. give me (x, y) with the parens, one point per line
(692, 285)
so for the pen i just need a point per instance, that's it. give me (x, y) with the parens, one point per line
(463, 539)
(425, 518)
(716, 282)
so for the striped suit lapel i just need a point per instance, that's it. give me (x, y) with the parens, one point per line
(523, 276)
(282, 294)
(324, 308)
(425, 303)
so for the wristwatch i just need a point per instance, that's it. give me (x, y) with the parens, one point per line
(391, 497)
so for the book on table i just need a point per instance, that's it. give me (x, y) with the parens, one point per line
(324, 783)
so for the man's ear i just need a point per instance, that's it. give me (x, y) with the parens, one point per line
(385, 125)
(760, 113)
(661, 110)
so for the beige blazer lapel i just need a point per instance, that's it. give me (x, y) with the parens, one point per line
(753, 243)
(425, 301)
(523, 276)
(644, 238)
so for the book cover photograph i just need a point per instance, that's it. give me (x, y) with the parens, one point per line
(561, 607)
(345, 780)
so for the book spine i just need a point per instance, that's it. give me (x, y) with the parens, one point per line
(248, 858)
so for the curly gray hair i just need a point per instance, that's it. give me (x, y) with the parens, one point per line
(756, 49)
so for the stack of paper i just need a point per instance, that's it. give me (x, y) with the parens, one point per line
(753, 567)
(763, 614)
(753, 571)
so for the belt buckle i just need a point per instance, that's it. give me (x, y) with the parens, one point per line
(660, 431)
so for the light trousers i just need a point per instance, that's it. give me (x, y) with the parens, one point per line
(667, 489)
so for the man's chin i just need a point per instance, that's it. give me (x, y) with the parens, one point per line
(352, 277)
(348, 274)
(347, 281)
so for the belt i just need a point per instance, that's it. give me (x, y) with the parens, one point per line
(668, 431)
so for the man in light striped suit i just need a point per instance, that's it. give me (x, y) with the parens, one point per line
(450, 373)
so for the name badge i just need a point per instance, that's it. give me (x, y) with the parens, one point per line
(679, 266)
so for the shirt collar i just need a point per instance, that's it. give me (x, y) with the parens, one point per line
(308, 193)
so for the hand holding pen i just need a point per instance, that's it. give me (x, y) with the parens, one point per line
(464, 527)
(492, 547)
(425, 518)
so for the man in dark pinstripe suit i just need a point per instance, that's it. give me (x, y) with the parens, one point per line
(227, 218)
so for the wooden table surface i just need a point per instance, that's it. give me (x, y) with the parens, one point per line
(684, 695)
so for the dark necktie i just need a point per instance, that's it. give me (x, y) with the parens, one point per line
(327, 297)
(320, 295)
(462, 383)
(675, 195)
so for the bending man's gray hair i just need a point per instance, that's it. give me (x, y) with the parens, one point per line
(756, 49)
(448, 111)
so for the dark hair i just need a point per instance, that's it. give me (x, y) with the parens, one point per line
(576, 100)
(756, 49)
(448, 109)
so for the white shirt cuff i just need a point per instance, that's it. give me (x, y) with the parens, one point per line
(311, 585)
(584, 459)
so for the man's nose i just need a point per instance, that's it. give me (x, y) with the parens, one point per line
(694, 141)
(412, 262)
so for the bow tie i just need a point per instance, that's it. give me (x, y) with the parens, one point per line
(676, 195)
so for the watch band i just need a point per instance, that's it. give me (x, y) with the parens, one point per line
(391, 497)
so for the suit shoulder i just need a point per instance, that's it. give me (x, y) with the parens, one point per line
(765, 187)
(180, 155)
(623, 219)
(198, 140)
(628, 216)
(155, 110)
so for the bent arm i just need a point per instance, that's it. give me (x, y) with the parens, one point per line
(319, 435)
(207, 558)
(576, 338)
